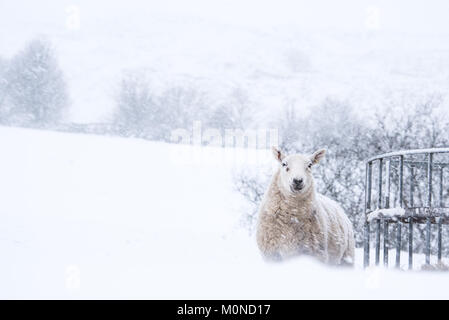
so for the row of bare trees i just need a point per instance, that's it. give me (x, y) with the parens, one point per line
(145, 113)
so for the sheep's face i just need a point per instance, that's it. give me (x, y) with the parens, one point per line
(296, 170)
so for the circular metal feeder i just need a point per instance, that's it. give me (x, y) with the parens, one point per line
(405, 188)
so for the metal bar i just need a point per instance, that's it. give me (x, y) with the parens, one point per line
(379, 190)
(367, 207)
(419, 163)
(440, 221)
(387, 184)
(429, 180)
(379, 205)
(407, 152)
(401, 200)
(428, 230)
(419, 219)
(366, 246)
(378, 242)
(429, 205)
(398, 245)
(441, 187)
(370, 177)
(439, 239)
(410, 225)
(412, 185)
(386, 243)
(387, 205)
(410, 244)
(401, 182)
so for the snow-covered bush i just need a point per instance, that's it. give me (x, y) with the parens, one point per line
(34, 90)
(251, 185)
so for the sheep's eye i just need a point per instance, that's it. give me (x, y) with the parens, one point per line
(284, 164)
(310, 165)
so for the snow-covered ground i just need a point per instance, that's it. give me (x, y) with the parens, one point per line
(84, 216)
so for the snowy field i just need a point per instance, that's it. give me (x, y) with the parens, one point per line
(84, 216)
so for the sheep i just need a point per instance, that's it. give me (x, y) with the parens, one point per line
(294, 219)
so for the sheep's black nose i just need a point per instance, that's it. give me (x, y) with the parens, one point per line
(298, 184)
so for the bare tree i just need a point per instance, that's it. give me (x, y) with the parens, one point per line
(179, 107)
(3, 89)
(136, 106)
(236, 112)
(289, 127)
(143, 113)
(36, 87)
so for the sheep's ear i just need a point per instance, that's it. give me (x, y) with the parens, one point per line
(278, 155)
(317, 156)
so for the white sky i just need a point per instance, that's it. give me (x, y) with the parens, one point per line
(351, 15)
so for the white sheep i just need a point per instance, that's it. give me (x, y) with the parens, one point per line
(294, 219)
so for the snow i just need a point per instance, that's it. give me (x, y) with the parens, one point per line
(84, 216)
(217, 47)
(390, 213)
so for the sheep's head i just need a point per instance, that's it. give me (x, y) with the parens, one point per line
(295, 170)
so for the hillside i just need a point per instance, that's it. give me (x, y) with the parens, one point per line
(274, 53)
